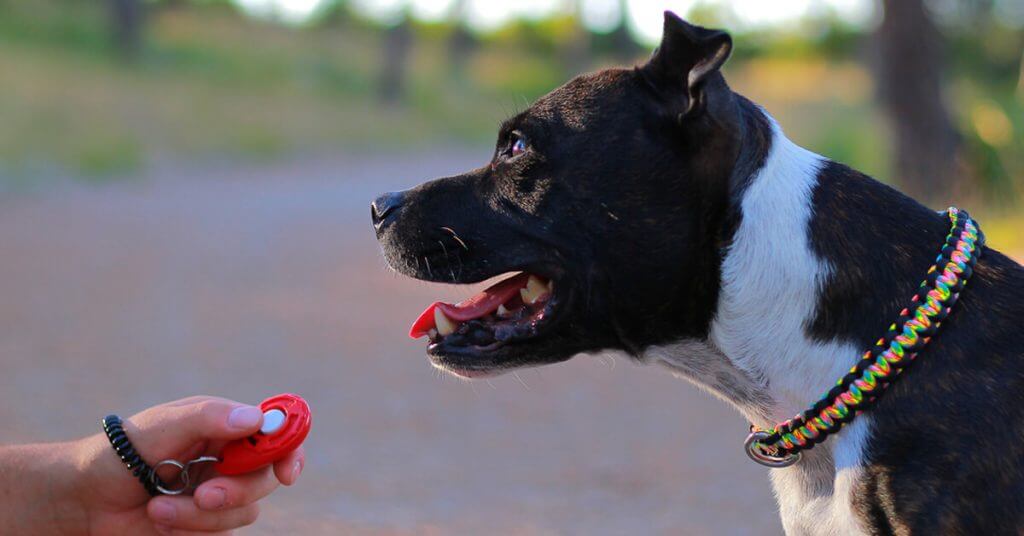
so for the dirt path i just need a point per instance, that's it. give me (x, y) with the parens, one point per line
(247, 282)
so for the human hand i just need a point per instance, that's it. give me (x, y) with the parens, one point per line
(114, 502)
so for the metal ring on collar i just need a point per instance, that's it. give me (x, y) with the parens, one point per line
(756, 451)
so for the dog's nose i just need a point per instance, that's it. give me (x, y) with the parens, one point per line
(383, 207)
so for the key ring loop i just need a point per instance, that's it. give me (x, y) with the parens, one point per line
(758, 452)
(182, 477)
(184, 470)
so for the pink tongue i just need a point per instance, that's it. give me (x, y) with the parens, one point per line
(477, 306)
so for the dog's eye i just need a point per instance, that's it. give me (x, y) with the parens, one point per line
(517, 144)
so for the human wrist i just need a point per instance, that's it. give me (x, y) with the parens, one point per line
(101, 478)
(38, 489)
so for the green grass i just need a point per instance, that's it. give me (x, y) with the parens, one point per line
(1002, 230)
(210, 83)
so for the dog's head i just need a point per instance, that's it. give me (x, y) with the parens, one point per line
(608, 196)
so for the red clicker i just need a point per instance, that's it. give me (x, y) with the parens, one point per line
(286, 422)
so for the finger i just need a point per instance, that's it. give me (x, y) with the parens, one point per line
(188, 400)
(181, 513)
(225, 492)
(170, 531)
(288, 469)
(167, 429)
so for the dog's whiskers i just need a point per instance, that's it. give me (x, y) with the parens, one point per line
(589, 290)
(521, 382)
(448, 261)
(609, 359)
(429, 271)
(456, 237)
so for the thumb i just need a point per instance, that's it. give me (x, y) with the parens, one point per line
(166, 430)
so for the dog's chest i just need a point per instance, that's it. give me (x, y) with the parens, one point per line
(771, 286)
(817, 496)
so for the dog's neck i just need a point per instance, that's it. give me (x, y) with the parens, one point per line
(771, 286)
(758, 354)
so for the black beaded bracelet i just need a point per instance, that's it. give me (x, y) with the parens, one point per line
(114, 429)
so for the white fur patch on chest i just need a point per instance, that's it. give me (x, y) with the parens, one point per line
(771, 281)
(816, 495)
(771, 284)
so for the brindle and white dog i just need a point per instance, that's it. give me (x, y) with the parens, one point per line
(655, 212)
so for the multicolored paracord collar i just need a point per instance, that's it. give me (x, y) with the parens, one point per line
(881, 365)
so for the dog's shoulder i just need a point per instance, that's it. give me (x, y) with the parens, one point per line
(949, 438)
(946, 453)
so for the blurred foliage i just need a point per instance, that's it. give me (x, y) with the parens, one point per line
(212, 83)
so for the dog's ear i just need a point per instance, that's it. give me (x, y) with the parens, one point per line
(688, 57)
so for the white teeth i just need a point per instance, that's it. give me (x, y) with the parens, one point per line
(432, 334)
(535, 290)
(551, 287)
(502, 311)
(445, 326)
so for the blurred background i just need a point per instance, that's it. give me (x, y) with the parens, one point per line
(183, 209)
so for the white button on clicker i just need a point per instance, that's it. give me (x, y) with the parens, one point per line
(272, 421)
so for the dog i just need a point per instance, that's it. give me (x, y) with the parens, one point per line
(655, 212)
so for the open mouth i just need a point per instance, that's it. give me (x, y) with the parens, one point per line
(517, 308)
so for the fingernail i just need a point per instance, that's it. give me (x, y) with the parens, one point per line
(244, 417)
(211, 498)
(296, 470)
(162, 512)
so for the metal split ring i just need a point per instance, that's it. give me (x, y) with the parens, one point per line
(759, 452)
(184, 469)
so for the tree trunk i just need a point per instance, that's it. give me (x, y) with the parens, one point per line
(910, 75)
(1020, 81)
(625, 47)
(126, 24)
(462, 44)
(397, 45)
(575, 53)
